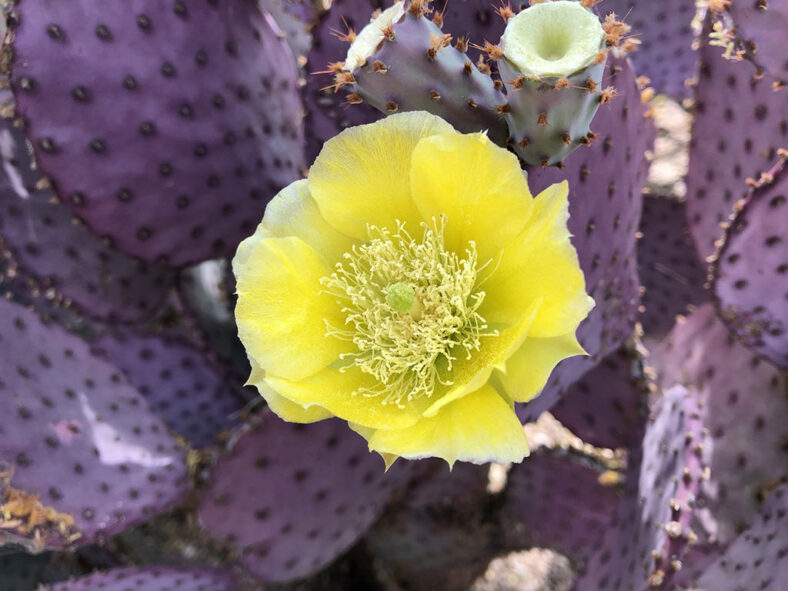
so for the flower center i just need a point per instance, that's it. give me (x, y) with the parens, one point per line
(411, 308)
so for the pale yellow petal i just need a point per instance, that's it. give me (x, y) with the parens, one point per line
(477, 185)
(293, 212)
(281, 406)
(335, 391)
(362, 176)
(541, 263)
(471, 374)
(529, 368)
(281, 310)
(480, 427)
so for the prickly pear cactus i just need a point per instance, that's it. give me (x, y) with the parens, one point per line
(750, 274)
(79, 440)
(743, 399)
(741, 124)
(188, 118)
(404, 61)
(56, 252)
(141, 138)
(292, 498)
(668, 267)
(153, 579)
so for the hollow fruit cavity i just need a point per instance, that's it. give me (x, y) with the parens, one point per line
(552, 39)
(369, 37)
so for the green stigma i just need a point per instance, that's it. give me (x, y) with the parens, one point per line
(401, 297)
(411, 309)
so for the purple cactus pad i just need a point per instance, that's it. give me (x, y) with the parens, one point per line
(650, 532)
(193, 395)
(166, 128)
(750, 276)
(78, 437)
(293, 497)
(760, 28)
(557, 500)
(664, 29)
(758, 558)
(606, 406)
(668, 265)
(744, 410)
(56, 251)
(153, 578)
(741, 122)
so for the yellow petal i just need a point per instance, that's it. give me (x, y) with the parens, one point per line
(541, 263)
(471, 374)
(293, 212)
(529, 368)
(281, 406)
(334, 390)
(281, 310)
(362, 176)
(477, 185)
(480, 427)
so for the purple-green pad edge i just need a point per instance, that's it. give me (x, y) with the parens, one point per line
(291, 497)
(80, 438)
(174, 133)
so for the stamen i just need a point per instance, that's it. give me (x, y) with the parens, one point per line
(411, 308)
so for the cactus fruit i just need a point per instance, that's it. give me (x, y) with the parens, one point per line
(605, 185)
(187, 118)
(744, 406)
(750, 273)
(292, 498)
(668, 266)
(194, 396)
(84, 456)
(757, 558)
(665, 35)
(551, 59)
(741, 122)
(159, 578)
(605, 407)
(62, 257)
(402, 61)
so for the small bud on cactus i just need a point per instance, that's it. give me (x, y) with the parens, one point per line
(402, 61)
(552, 65)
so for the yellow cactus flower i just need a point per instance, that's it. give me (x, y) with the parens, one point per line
(412, 286)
